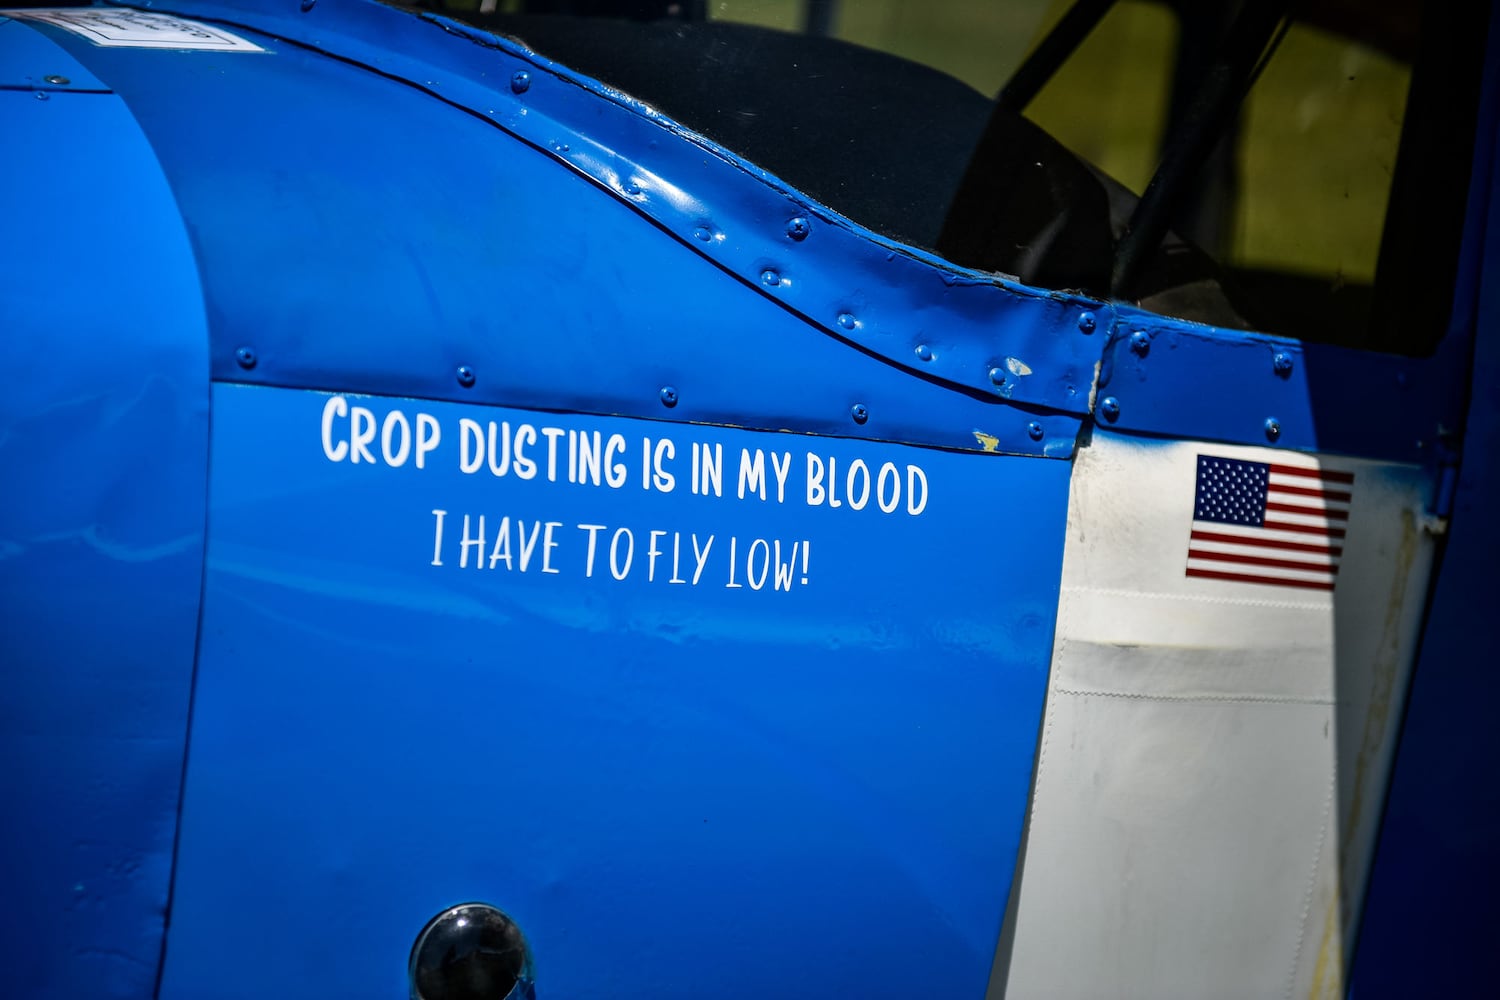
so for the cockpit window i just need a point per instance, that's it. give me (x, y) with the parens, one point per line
(1229, 163)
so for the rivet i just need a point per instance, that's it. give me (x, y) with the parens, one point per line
(57, 81)
(1109, 408)
(1086, 322)
(632, 189)
(41, 95)
(308, 5)
(1035, 430)
(702, 234)
(1273, 428)
(997, 376)
(798, 229)
(847, 321)
(246, 358)
(668, 396)
(1140, 343)
(770, 278)
(859, 413)
(465, 376)
(560, 147)
(1282, 363)
(924, 352)
(520, 82)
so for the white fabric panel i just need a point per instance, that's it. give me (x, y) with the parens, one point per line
(1214, 753)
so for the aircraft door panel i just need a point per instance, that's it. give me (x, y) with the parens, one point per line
(706, 711)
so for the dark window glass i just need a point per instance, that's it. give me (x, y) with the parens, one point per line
(1326, 201)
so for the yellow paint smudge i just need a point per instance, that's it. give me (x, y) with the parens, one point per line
(1330, 962)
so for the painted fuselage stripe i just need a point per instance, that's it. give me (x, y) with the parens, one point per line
(1274, 543)
(1325, 475)
(1339, 496)
(1248, 560)
(1212, 574)
(1337, 512)
(1306, 529)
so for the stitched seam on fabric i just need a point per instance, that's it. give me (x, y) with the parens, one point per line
(1312, 883)
(1253, 699)
(1199, 598)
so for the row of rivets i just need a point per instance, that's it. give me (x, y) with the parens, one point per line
(1109, 409)
(245, 357)
(798, 228)
(1140, 344)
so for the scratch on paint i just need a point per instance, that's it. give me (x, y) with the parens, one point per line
(1330, 957)
(1017, 367)
(988, 441)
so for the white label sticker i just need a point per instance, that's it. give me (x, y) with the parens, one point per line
(119, 27)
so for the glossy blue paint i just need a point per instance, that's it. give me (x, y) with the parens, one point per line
(677, 789)
(29, 58)
(730, 215)
(1429, 921)
(402, 231)
(882, 297)
(103, 443)
(1172, 378)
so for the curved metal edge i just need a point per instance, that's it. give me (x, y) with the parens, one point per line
(104, 441)
(33, 62)
(991, 335)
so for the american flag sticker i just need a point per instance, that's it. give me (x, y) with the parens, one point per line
(1280, 525)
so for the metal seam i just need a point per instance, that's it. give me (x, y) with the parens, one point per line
(1250, 699)
(1198, 599)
